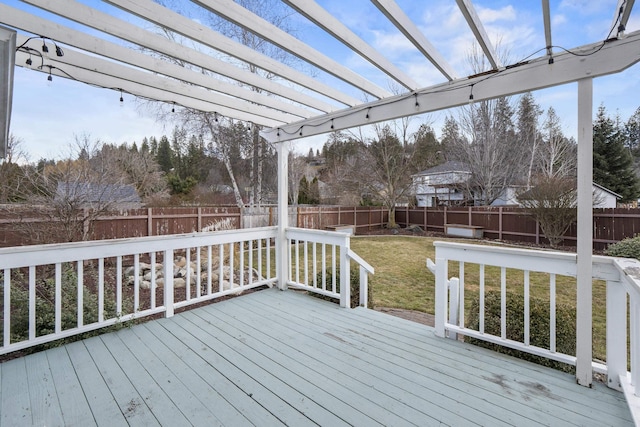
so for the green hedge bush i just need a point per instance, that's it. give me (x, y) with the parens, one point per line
(539, 326)
(355, 286)
(45, 306)
(627, 248)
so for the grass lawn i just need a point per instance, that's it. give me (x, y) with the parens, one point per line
(402, 280)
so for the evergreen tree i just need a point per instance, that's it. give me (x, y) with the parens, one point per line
(528, 135)
(164, 156)
(612, 161)
(632, 134)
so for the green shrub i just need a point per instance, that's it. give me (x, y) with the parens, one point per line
(355, 286)
(627, 248)
(45, 306)
(539, 326)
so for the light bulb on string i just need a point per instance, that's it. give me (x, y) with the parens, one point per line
(121, 99)
(49, 78)
(173, 108)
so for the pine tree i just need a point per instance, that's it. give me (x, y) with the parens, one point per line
(164, 155)
(612, 162)
(528, 134)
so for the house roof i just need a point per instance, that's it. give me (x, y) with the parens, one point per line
(618, 196)
(88, 192)
(447, 167)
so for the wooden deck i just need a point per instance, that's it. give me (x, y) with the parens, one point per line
(284, 358)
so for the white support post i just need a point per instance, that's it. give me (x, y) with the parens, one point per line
(454, 295)
(345, 274)
(441, 294)
(167, 272)
(282, 258)
(616, 334)
(584, 350)
(364, 288)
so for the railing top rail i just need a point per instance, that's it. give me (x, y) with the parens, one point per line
(630, 272)
(364, 264)
(22, 256)
(319, 236)
(548, 261)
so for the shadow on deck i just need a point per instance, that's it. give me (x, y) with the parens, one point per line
(284, 358)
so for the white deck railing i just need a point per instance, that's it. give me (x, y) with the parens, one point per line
(320, 261)
(516, 269)
(57, 291)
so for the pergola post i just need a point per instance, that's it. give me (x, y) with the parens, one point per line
(282, 258)
(584, 351)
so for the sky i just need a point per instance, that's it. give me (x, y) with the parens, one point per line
(47, 117)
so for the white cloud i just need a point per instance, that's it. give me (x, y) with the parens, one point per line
(488, 16)
(558, 20)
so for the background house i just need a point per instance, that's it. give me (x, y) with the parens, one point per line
(444, 185)
(441, 185)
(91, 195)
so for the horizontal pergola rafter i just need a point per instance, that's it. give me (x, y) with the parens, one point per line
(179, 24)
(107, 24)
(585, 62)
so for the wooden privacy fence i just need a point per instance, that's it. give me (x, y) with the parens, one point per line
(514, 224)
(510, 224)
(177, 220)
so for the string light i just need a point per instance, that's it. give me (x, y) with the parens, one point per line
(301, 130)
(368, 110)
(471, 96)
(29, 61)
(49, 78)
(417, 105)
(173, 108)
(215, 116)
(45, 49)
(121, 99)
(331, 123)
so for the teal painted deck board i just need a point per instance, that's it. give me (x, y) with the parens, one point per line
(16, 407)
(598, 403)
(45, 407)
(131, 404)
(313, 355)
(104, 408)
(206, 395)
(410, 380)
(285, 358)
(73, 404)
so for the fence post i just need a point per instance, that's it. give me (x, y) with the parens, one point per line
(149, 222)
(500, 223)
(199, 224)
(470, 219)
(445, 218)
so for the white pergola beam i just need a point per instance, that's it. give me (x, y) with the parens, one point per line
(406, 26)
(35, 25)
(7, 58)
(318, 15)
(138, 89)
(546, 18)
(107, 24)
(621, 15)
(537, 74)
(164, 17)
(242, 17)
(475, 24)
(171, 87)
